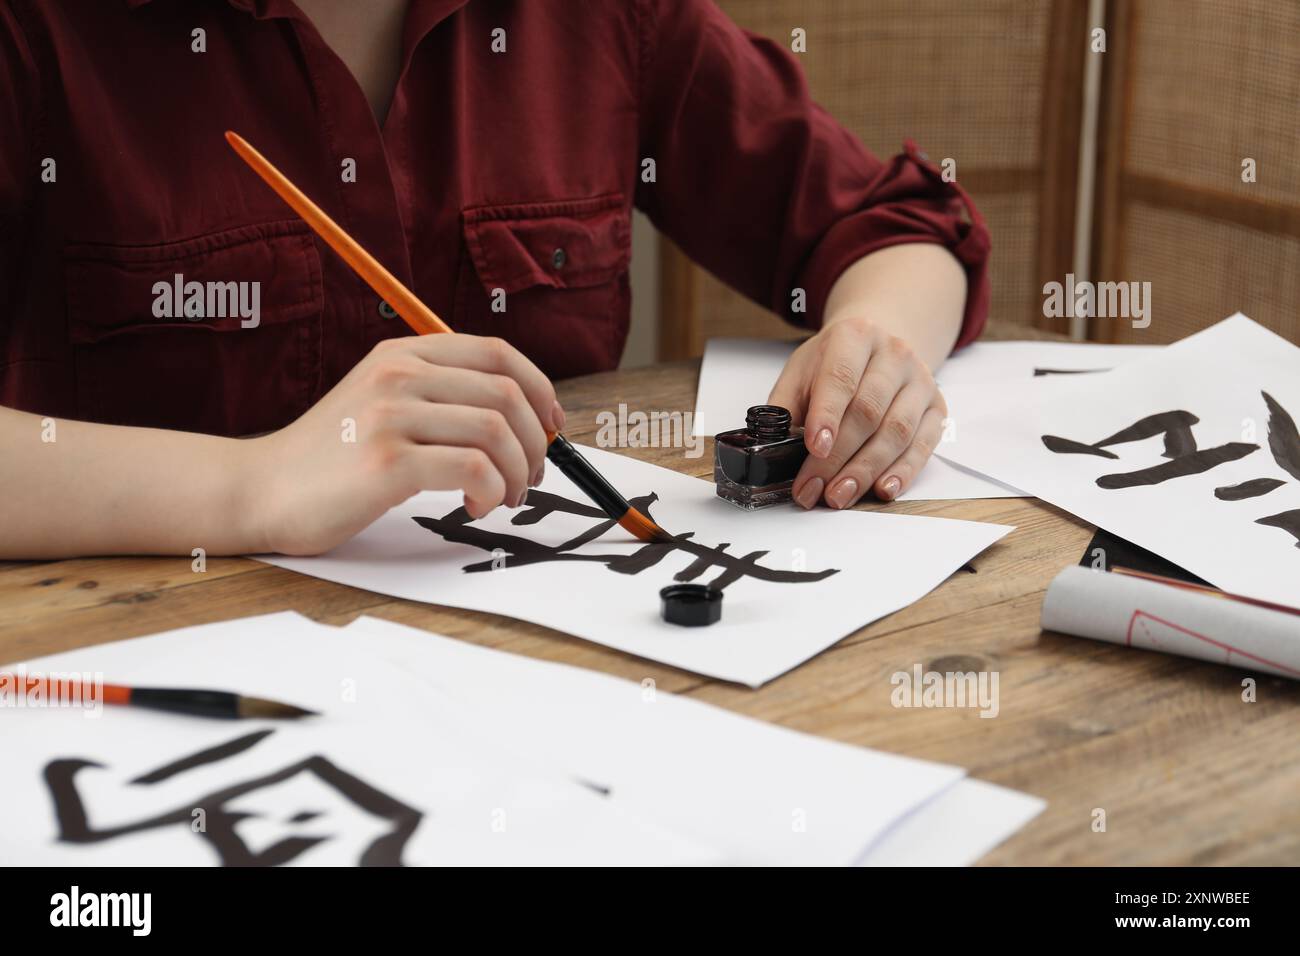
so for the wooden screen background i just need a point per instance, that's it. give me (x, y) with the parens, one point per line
(1189, 89)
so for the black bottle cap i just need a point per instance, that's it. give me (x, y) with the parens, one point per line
(691, 605)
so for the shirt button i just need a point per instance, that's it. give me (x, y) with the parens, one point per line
(386, 311)
(558, 259)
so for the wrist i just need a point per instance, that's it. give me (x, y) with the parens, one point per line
(250, 493)
(915, 292)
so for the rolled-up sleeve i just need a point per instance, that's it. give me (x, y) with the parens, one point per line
(762, 187)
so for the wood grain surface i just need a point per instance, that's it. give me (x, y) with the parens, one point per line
(1185, 770)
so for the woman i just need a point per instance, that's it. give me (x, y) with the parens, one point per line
(489, 154)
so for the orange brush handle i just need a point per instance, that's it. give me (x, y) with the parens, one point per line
(55, 691)
(422, 319)
(417, 315)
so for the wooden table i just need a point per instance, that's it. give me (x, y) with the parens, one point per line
(1186, 771)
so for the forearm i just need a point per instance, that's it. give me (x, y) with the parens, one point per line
(71, 488)
(916, 291)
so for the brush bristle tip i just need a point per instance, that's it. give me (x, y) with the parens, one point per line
(259, 708)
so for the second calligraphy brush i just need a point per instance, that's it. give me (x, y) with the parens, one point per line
(424, 321)
(175, 700)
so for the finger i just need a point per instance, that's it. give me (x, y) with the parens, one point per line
(468, 426)
(791, 389)
(461, 386)
(835, 382)
(487, 354)
(446, 468)
(875, 394)
(899, 476)
(897, 430)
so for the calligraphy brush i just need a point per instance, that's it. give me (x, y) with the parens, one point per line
(424, 321)
(175, 700)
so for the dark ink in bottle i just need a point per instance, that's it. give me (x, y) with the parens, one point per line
(755, 466)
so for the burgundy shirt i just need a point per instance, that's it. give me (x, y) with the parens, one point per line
(514, 171)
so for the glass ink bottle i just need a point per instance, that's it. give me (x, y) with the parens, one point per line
(754, 466)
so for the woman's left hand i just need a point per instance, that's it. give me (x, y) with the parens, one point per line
(871, 412)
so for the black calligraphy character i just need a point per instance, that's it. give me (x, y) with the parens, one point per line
(1180, 448)
(1039, 372)
(1186, 459)
(397, 820)
(1283, 437)
(1287, 521)
(1247, 489)
(1284, 443)
(520, 551)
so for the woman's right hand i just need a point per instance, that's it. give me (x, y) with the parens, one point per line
(420, 413)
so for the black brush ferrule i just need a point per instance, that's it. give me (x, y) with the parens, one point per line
(584, 474)
(199, 703)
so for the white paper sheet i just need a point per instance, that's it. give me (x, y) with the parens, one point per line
(957, 827)
(852, 568)
(760, 793)
(941, 480)
(738, 373)
(384, 773)
(1219, 376)
(995, 363)
(749, 788)
(735, 374)
(486, 747)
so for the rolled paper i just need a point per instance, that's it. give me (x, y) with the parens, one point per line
(1139, 613)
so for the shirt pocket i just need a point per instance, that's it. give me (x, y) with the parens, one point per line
(551, 278)
(238, 351)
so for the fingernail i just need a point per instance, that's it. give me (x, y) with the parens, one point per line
(522, 498)
(557, 417)
(539, 474)
(823, 443)
(844, 493)
(889, 488)
(807, 496)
